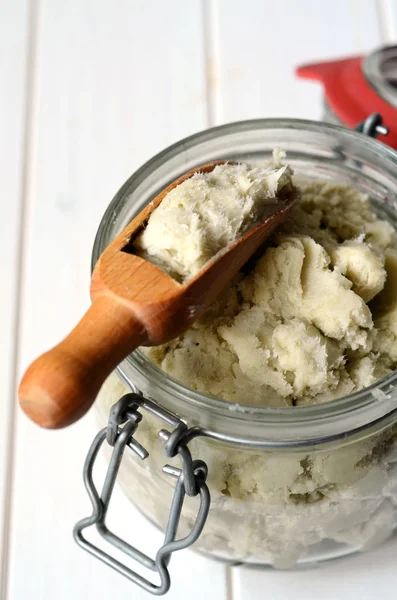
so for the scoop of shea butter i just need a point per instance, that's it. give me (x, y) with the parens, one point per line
(208, 212)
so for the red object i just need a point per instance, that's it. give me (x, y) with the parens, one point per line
(349, 95)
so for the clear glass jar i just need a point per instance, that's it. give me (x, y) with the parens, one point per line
(288, 485)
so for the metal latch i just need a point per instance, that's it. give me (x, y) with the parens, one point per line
(190, 480)
(372, 126)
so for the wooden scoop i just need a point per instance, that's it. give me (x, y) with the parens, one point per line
(133, 303)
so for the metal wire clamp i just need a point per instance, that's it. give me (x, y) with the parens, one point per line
(190, 480)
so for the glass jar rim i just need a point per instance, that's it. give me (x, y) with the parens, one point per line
(370, 405)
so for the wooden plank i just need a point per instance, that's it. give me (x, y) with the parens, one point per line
(113, 87)
(259, 44)
(387, 16)
(360, 577)
(13, 53)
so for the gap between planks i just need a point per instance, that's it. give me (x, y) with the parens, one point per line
(211, 61)
(26, 141)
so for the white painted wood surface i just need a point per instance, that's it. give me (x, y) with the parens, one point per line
(364, 577)
(260, 43)
(107, 86)
(13, 54)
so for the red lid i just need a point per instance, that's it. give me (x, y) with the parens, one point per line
(349, 94)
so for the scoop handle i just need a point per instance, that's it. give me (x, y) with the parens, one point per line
(60, 386)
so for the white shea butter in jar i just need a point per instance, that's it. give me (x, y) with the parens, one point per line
(312, 319)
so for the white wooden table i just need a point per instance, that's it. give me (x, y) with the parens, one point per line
(90, 89)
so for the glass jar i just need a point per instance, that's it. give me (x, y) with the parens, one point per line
(329, 116)
(288, 485)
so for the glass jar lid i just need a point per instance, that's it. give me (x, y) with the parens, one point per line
(358, 86)
(380, 70)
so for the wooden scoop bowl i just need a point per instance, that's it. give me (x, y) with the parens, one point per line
(133, 303)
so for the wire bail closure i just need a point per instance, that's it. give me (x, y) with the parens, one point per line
(190, 480)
